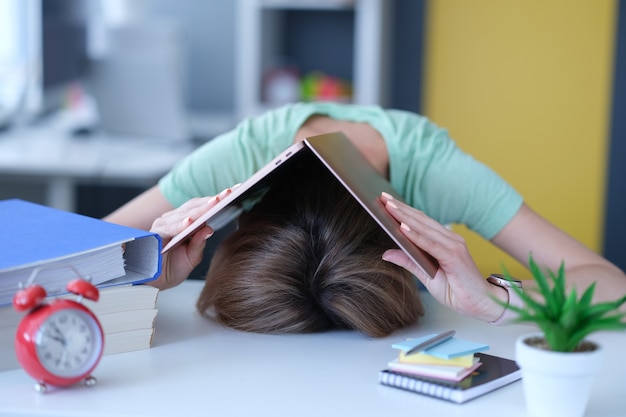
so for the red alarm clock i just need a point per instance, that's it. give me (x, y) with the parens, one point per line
(61, 342)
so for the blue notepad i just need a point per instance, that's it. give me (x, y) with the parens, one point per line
(449, 349)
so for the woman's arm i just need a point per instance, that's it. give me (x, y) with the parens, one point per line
(141, 211)
(459, 284)
(151, 211)
(529, 233)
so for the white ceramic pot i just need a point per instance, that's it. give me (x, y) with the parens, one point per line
(556, 384)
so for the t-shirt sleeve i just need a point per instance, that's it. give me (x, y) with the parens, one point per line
(449, 185)
(214, 166)
(229, 158)
(463, 190)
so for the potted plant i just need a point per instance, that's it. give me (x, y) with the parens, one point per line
(559, 362)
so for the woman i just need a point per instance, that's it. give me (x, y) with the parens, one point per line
(439, 182)
(307, 258)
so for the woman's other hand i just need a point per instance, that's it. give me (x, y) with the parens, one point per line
(458, 284)
(179, 261)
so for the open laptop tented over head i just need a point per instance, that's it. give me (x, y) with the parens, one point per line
(345, 162)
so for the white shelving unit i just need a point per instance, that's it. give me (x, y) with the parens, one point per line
(259, 35)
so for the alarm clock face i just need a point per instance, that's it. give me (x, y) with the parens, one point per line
(68, 343)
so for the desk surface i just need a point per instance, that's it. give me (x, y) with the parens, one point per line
(51, 156)
(42, 151)
(198, 368)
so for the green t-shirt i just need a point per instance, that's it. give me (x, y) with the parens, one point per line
(426, 167)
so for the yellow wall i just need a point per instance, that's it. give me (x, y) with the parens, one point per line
(524, 86)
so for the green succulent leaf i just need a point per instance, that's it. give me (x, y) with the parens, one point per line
(544, 288)
(558, 290)
(569, 314)
(585, 300)
(600, 309)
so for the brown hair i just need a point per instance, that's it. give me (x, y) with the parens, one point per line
(308, 258)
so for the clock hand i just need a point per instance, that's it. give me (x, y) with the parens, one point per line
(60, 333)
(56, 329)
(64, 355)
(59, 339)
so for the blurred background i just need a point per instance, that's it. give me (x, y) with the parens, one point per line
(98, 98)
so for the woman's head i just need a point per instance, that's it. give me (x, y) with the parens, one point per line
(308, 258)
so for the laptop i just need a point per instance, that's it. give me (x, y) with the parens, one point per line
(345, 162)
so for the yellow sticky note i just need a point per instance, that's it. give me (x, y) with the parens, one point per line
(423, 358)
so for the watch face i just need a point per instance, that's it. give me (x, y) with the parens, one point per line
(68, 343)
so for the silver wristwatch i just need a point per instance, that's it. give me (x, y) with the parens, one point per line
(514, 299)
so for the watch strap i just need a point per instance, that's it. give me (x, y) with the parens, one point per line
(515, 300)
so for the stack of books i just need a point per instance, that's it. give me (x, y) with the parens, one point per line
(127, 314)
(456, 370)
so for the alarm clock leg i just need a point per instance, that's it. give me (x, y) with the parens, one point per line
(41, 387)
(90, 381)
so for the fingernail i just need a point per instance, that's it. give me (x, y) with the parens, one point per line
(391, 204)
(405, 227)
(208, 235)
(387, 195)
(187, 220)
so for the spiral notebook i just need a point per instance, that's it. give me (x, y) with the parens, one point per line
(495, 372)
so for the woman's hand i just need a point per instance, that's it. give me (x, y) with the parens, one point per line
(181, 260)
(458, 284)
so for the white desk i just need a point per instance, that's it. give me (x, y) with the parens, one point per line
(197, 368)
(50, 156)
